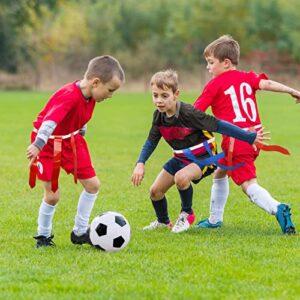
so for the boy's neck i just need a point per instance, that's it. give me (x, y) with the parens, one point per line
(228, 70)
(82, 84)
(176, 111)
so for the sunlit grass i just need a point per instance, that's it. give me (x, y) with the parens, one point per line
(247, 259)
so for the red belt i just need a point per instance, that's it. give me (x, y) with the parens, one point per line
(275, 148)
(57, 141)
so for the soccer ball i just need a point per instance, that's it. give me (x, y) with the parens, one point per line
(110, 231)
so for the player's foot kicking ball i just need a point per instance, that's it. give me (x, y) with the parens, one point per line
(81, 239)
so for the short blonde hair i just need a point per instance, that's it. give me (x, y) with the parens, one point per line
(222, 48)
(167, 79)
(104, 67)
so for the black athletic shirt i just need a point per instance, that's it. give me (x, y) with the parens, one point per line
(184, 129)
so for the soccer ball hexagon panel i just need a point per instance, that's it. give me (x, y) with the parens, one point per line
(110, 231)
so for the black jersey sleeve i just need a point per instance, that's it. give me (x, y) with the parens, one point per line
(154, 133)
(236, 132)
(146, 151)
(202, 121)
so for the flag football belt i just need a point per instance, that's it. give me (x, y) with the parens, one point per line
(205, 147)
(275, 148)
(57, 147)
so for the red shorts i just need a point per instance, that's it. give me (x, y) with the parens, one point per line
(245, 172)
(85, 169)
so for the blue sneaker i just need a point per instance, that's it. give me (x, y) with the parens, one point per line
(206, 224)
(283, 217)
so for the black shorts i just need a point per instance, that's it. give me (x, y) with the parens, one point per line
(174, 164)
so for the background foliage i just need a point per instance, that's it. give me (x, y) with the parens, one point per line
(43, 35)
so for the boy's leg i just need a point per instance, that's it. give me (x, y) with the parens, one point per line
(183, 179)
(218, 199)
(263, 199)
(86, 202)
(90, 182)
(220, 188)
(162, 183)
(219, 196)
(260, 196)
(46, 213)
(186, 197)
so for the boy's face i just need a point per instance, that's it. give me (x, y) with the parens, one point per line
(216, 67)
(101, 91)
(164, 100)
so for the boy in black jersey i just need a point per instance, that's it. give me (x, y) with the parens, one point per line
(188, 131)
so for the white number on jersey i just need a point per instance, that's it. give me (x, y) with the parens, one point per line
(248, 105)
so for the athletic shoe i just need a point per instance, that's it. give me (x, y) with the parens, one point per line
(42, 241)
(81, 239)
(283, 217)
(183, 222)
(206, 224)
(155, 225)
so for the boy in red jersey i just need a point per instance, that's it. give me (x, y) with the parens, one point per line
(57, 141)
(187, 131)
(231, 95)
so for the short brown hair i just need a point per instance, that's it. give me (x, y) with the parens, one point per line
(104, 67)
(165, 79)
(224, 47)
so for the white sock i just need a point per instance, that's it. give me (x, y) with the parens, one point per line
(84, 209)
(262, 198)
(218, 199)
(46, 213)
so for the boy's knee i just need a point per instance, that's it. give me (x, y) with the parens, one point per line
(220, 173)
(92, 185)
(51, 198)
(155, 194)
(181, 181)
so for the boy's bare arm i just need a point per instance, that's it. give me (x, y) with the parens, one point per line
(274, 86)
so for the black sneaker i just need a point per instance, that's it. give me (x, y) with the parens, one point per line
(42, 241)
(81, 239)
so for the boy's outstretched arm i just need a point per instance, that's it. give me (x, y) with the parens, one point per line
(274, 86)
(251, 137)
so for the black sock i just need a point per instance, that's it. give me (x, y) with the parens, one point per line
(186, 199)
(161, 210)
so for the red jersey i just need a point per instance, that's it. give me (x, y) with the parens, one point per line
(68, 108)
(231, 96)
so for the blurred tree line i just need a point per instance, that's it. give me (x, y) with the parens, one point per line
(39, 35)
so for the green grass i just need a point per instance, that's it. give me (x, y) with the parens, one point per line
(248, 258)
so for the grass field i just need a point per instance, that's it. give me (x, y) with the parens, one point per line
(248, 258)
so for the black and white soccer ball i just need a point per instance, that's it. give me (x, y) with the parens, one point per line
(110, 231)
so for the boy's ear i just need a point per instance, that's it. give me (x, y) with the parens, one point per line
(227, 63)
(177, 93)
(96, 81)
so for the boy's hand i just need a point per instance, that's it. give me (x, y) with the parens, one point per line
(296, 95)
(261, 137)
(31, 153)
(138, 174)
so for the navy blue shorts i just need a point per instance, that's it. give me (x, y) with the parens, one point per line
(174, 164)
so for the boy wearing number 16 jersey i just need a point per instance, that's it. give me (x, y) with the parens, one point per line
(231, 95)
